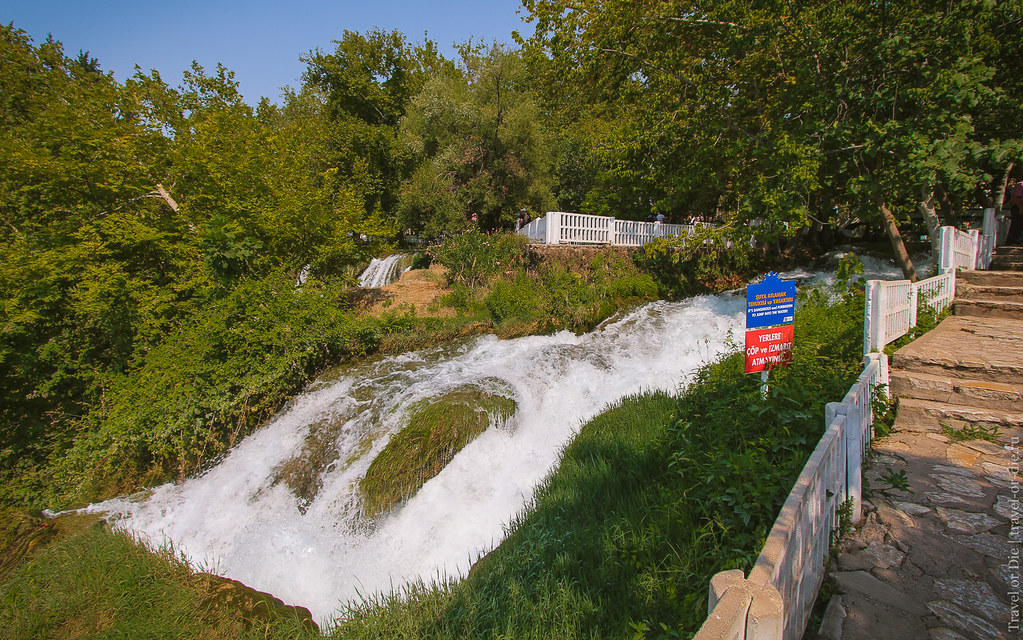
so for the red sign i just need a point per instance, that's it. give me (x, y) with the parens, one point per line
(768, 348)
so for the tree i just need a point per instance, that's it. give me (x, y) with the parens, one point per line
(795, 112)
(475, 137)
(367, 83)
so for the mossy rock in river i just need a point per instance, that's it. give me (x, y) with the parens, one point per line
(435, 431)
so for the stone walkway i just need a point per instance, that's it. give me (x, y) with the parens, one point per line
(941, 561)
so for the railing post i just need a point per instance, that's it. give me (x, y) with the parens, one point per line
(612, 236)
(975, 247)
(914, 301)
(553, 227)
(854, 458)
(945, 255)
(873, 317)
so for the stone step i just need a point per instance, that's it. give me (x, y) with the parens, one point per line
(1007, 263)
(970, 291)
(971, 348)
(959, 391)
(989, 308)
(990, 278)
(913, 414)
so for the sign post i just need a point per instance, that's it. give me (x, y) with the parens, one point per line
(770, 313)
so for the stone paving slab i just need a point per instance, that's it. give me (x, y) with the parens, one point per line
(967, 347)
(944, 569)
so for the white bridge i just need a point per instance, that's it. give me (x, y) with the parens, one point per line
(558, 227)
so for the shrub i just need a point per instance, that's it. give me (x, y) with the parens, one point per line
(474, 257)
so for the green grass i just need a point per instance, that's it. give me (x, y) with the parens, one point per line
(596, 550)
(435, 431)
(990, 433)
(103, 584)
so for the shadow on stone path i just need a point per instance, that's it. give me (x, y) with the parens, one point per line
(941, 561)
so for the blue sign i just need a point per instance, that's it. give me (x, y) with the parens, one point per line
(771, 302)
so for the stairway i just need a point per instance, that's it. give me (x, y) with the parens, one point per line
(968, 370)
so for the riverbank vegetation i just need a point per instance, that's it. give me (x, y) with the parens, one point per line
(653, 497)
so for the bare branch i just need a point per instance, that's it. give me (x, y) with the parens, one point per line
(162, 193)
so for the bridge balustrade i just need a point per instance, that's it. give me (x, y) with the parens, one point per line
(559, 227)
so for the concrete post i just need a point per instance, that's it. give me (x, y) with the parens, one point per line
(766, 617)
(854, 458)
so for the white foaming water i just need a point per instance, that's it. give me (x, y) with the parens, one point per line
(243, 522)
(239, 520)
(382, 272)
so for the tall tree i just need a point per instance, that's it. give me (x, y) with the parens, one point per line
(479, 146)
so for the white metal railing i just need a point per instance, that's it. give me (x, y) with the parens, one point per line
(535, 230)
(559, 227)
(959, 249)
(774, 602)
(892, 306)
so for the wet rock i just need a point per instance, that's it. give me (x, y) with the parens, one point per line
(972, 595)
(965, 521)
(912, 508)
(225, 593)
(944, 633)
(1008, 507)
(953, 616)
(958, 485)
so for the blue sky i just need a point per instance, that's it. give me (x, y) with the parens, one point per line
(260, 40)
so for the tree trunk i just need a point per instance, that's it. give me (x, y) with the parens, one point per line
(926, 207)
(947, 210)
(998, 192)
(891, 228)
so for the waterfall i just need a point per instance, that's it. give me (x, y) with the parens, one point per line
(314, 548)
(384, 271)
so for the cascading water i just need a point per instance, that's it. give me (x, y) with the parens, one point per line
(281, 512)
(384, 271)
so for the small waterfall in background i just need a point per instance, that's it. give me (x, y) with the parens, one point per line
(281, 512)
(381, 272)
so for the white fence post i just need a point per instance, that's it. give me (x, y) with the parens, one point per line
(945, 257)
(873, 317)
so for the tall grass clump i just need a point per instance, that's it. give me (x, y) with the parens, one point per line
(651, 499)
(435, 431)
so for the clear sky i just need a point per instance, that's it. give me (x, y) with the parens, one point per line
(260, 40)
